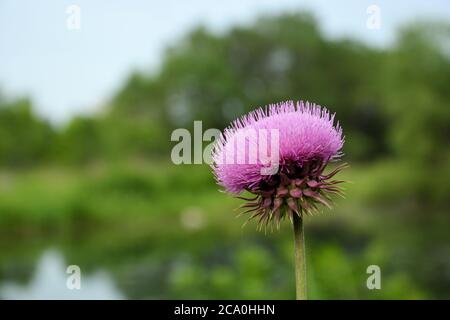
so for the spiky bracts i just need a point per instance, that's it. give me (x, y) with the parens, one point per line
(308, 142)
(293, 191)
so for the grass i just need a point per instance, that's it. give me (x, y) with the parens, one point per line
(50, 193)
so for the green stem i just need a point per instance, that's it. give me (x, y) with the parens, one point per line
(300, 261)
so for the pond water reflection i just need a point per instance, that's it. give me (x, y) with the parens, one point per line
(210, 264)
(49, 282)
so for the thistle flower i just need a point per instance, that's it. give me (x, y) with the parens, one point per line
(307, 141)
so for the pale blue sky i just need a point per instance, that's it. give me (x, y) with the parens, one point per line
(71, 72)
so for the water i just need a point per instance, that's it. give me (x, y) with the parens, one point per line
(207, 265)
(144, 269)
(49, 281)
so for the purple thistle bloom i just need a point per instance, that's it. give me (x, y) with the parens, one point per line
(302, 138)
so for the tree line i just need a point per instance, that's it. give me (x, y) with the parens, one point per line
(391, 102)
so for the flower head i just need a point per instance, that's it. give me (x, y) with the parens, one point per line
(301, 137)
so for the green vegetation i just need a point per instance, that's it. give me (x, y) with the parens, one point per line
(102, 188)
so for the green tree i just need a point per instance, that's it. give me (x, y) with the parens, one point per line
(25, 139)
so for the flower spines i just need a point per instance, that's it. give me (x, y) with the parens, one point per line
(292, 193)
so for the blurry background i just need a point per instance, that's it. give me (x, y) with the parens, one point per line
(85, 121)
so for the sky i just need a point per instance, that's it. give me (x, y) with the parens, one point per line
(70, 63)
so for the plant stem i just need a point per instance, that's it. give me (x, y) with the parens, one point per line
(300, 261)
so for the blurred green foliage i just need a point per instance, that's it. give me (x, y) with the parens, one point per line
(25, 139)
(103, 190)
(391, 102)
(384, 98)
